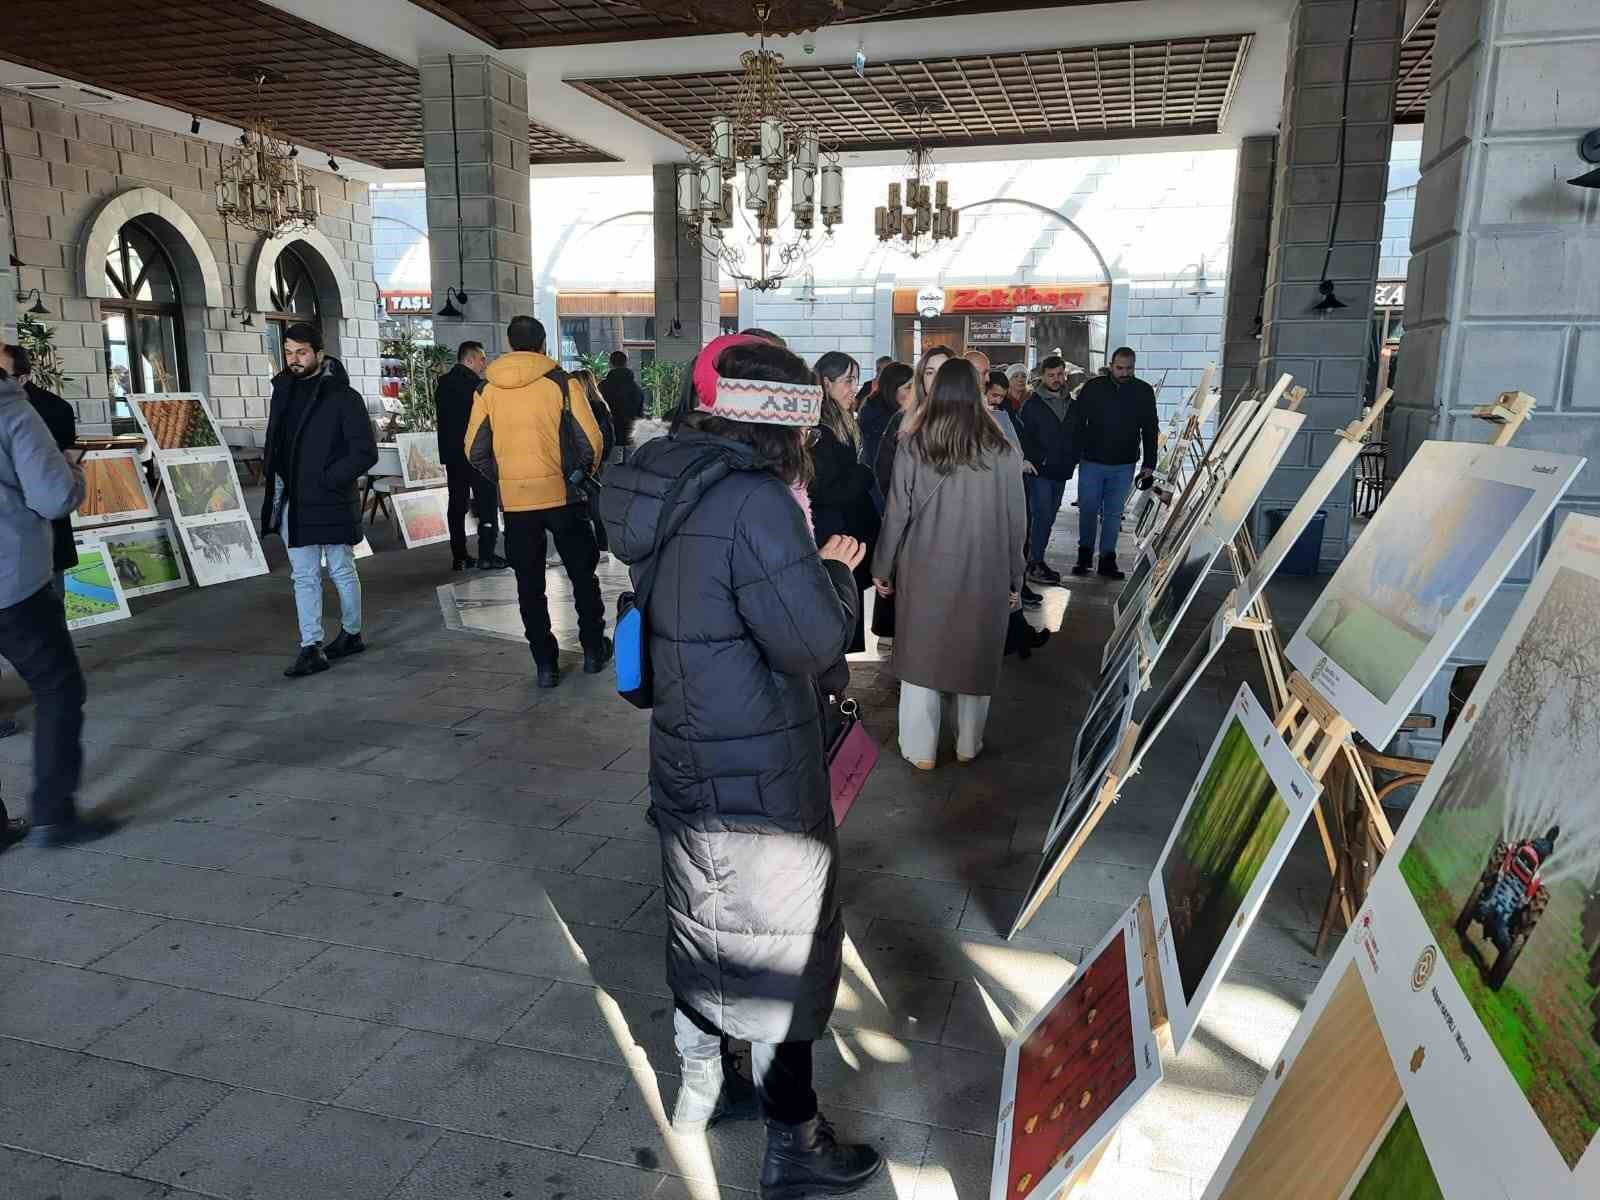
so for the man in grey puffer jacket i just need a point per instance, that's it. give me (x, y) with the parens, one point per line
(38, 485)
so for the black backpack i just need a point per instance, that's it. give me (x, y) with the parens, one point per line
(578, 457)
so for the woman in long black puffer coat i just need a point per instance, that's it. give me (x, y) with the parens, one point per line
(841, 484)
(744, 616)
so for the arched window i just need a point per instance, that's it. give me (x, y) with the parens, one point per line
(294, 299)
(142, 318)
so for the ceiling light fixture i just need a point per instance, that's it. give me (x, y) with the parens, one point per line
(261, 188)
(917, 221)
(333, 164)
(459, 292)
(194, 124)
(767, 141)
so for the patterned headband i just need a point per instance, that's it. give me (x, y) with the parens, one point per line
(758, 401)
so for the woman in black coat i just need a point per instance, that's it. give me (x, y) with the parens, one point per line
(744, 616)
(841, 484)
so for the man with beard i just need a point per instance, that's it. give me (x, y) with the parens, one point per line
(1113, 420)
(319, 443)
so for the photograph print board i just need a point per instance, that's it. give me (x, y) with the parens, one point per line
(146, 557)
(202, 486)
(115, 489)
(1446, 535)
(1237, 826)
(1491, 895)
(422, 516)
(223, 550)
(1178, 685)
(420, 465)
(93, 594)
(1076, 1070)
(176, 422)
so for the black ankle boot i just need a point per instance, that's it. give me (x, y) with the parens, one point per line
(1108, 567)
(1085, 562)
(806, 1160)
(712, 1090)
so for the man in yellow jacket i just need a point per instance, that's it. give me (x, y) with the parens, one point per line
(514, 438)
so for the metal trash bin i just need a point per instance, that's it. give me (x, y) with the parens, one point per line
(1305, 555)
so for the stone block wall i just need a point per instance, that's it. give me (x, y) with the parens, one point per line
(1175, 335)
(65, 164)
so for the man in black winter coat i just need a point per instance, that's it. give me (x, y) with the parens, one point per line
(624, 397)
(453, 400)
(319, 443)
(1047, 461)
(1112, 420)
(63, 425)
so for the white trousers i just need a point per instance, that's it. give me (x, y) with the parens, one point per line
(921, 714)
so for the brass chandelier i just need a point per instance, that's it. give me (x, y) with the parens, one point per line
(753, 153)
(918, 219)
(262, 188)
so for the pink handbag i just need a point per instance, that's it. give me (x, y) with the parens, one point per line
(850, 760)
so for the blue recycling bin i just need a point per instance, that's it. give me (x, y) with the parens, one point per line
(1306, 553)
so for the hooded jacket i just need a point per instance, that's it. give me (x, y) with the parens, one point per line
(1043, 425)
(514, 434)
(743, 618)
(319, 460)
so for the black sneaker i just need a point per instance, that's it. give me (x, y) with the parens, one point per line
(1031, 598)
(70, 833)
(594, 661)
(12, 829)
(1043, 572)
(492, 562)
(463, 563)
(311, 660)
(345, 644)
(1085, 562)
(549, 676)
(1108, 567)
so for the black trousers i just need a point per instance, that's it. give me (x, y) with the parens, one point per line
(781, 1070)
(467, 487)
(573, 534)
(34, 637)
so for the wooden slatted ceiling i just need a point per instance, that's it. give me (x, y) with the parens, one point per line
(331, 93)
(1416, 66)
(523, 23)
(1181, 86)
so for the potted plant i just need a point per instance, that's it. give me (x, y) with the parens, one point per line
(39, 340)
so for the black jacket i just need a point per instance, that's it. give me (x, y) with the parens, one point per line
(453, 399)
(883, 457)
(1110, 422)
(1046, 440)
(841, 492)
(625, 398)
(873, 416)
(321, 460)
(63, 425)
(744, 618)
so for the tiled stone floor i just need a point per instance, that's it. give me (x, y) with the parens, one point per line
(395, 931)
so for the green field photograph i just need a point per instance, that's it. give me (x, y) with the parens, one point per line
(145, 559)
(203, 486)
(1505, 863)
(1410, 569)
(1221, 847)
(89, 590)
(1400, 1168)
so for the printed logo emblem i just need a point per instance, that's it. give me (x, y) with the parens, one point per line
(1423, 971)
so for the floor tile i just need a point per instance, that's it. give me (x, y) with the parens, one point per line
(235, 962)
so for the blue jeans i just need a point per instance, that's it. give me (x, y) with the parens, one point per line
(1102, 495)
(1044, 502)
(305, 565)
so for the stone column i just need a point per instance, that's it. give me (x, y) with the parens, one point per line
(1247, 264)
(687, 280)
(1504, 286)
(1328, 353)
(488, 250)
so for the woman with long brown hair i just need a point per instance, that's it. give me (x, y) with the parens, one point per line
(840, 490)
(608, 437)
(928, 366)
(950, 553)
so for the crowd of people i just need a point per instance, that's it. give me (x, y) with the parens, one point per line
(785, 497)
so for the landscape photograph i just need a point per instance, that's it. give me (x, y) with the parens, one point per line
(1505, 864)
(203, 486)
(178, 422)
(91, 594)
(114, 488)
(146, 558)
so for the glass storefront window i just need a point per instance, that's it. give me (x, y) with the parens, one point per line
(143, 324)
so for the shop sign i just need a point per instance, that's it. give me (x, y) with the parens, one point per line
(989, 331)
(408, 304)
(930, 301)
(1026, 298)
(1391, 293)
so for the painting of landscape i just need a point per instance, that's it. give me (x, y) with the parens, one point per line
(1432, 536)
(1222, 845)
(201, 486)
(1505, 863)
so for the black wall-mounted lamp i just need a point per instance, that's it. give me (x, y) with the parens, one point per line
(1589, 151)
(453, 295)
(459, 292)
(38, 309)
(1329, 301)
